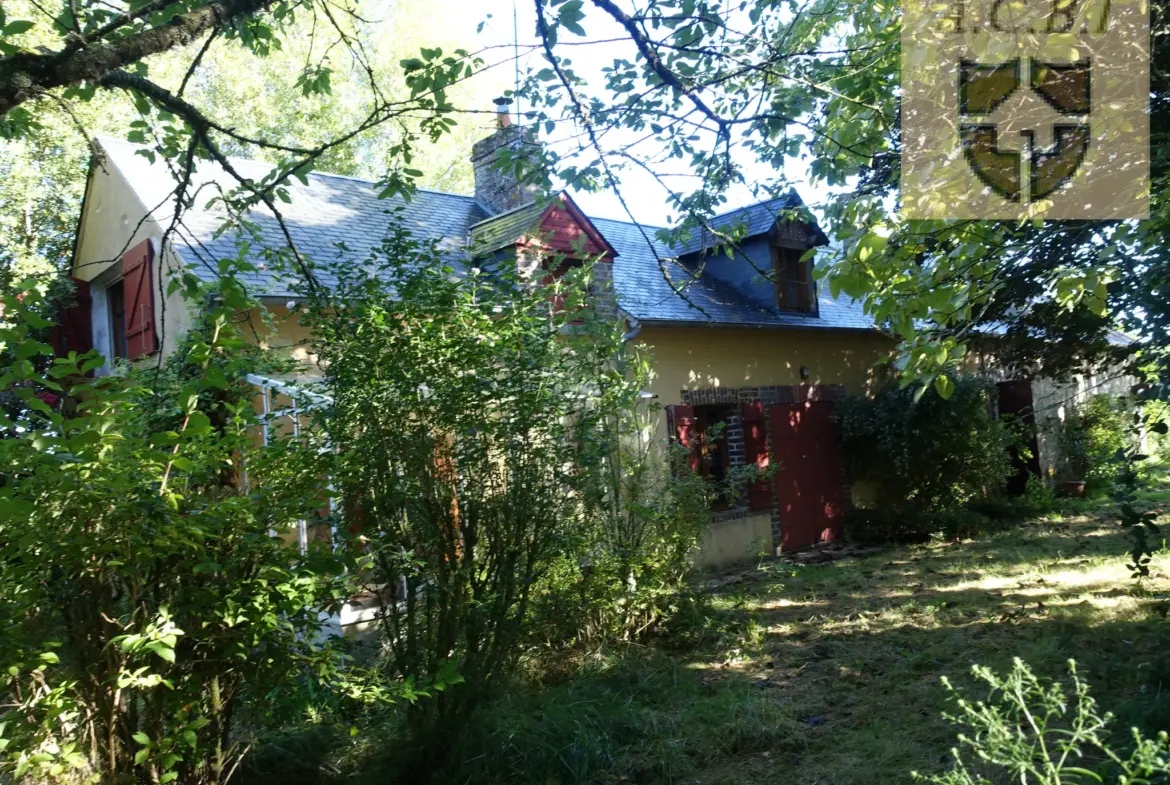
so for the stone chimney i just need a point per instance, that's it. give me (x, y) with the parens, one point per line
(495, 189)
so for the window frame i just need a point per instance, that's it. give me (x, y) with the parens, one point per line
(705, 417)
(785, 258)
(116, 309)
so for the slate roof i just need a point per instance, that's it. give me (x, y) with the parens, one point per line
(333, 209)
(645, 294)
(505, 229)
(755, 219)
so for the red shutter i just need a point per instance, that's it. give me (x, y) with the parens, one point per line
(755, 437)
(73, 331)
(138, 289)
(680, 421)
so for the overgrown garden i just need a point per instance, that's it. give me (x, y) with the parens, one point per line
(486, 470)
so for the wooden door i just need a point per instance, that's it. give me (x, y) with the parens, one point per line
(809, 483)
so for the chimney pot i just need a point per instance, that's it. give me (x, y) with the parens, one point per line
(503, 118)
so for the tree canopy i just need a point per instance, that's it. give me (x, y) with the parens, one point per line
(702, 98)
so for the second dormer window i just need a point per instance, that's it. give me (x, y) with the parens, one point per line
(794, 282)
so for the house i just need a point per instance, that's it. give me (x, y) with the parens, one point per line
(766, 360)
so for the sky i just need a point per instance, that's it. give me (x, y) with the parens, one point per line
(644, 198)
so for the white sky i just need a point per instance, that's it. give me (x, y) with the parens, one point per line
(645, 198)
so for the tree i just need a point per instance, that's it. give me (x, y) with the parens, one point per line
(152, 626)
(731, 93)
(288, 104)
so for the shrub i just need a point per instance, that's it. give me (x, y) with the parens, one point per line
(632, 572)
(1031, 730)
(1094, 437)
(481, 425)
(924, 453)
(151, 625)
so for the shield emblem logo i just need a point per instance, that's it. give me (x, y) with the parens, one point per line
(984, 88)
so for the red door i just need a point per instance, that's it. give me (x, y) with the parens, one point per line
(809, 483)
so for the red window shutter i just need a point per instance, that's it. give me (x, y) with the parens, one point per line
(138, 289)
(755, 437)
(73, 331)
(680, 421)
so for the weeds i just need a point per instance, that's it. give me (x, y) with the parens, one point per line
(1031, 729)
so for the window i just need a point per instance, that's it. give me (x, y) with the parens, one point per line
(116, 300)
(795, 287)
(709, 441)
(565, 265)
(714, 458)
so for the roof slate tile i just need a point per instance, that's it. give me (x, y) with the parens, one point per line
(340, 220)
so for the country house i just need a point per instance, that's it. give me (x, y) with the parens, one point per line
(766, 359)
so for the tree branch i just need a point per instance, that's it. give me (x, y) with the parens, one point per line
(26, 75)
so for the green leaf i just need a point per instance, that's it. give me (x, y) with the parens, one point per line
(570, 17)
(198, 425)
(162, 650)
(141, 738)
(944, 386)
(214, 377)
(17, 27)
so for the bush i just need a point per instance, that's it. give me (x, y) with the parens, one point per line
(1094, 437)
(151, 625)
(924, 453)
(482, 427)
(1031, 730)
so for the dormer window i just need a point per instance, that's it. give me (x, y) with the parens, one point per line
(795, 288)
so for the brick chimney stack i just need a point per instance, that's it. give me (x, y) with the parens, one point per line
(496, 189)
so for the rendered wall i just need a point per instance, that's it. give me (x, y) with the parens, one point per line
(736, 541)
(686, 358)
(689, 358)
(1053, 401)
(280, 330)
(112, 223)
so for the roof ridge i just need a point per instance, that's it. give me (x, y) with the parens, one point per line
(315, 173)
(759, 203)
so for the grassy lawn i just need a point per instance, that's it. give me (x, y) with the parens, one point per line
(829, 674)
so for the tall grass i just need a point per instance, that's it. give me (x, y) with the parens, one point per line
(634, 715)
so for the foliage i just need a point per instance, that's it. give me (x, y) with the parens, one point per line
(1093, 437)
(1033, 731)
(476, 421)
(43, 172)
(152, 626)
(922, 452)
(632, 570)
(1038, 496)
(1140, 524)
